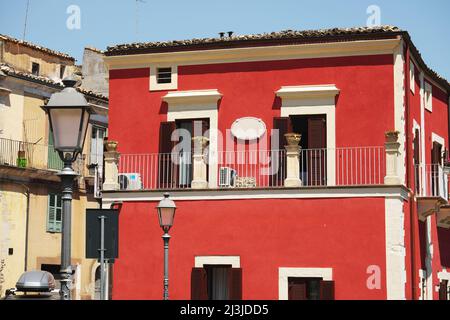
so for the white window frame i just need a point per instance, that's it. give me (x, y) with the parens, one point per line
(428, 96)
(155, 86)
(284, 273)
(314, 100)
(412, 77)
(201, 261)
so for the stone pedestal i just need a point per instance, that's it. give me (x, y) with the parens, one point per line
(111, 157)
(392, 147)
(199, 173)
(292, 160)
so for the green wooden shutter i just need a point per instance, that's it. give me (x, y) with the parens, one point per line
(54, 213)
(54, 161)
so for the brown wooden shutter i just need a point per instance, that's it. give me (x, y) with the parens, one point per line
(297, 290)
(316, 154)
(284, 125)
(199, 284)
(326, 290)
(435, 161)
(235, 284)
(443, 294)
(167, 174)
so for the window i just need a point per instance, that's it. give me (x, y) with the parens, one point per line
(35, 68)
(164, 75)
(412, 78)
(54, 213)
(428, 96)
(178, 172)
(62, 70)
(310, 289)
(216, 282)
(313, 157)
(96, 156)
(443, 290)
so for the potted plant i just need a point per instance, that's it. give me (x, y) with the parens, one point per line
(21, 159)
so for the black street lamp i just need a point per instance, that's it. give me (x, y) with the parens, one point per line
(166, 214)
(68, 113)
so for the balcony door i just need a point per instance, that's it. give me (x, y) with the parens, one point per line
(436, 170)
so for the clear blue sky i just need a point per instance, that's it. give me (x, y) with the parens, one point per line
(109, 22)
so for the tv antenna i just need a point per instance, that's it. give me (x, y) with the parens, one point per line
(26, 19)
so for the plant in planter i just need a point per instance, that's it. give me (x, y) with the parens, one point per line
(21, 159)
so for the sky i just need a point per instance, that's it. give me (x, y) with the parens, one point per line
(55, 24)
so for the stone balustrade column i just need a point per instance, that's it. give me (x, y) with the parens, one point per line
(392, 147)
(292, 160)
(199, 173)
(111, 157)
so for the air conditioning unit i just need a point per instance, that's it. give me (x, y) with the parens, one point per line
(227, 177)
(130, 181)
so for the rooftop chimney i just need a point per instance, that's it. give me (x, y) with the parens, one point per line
(221, 34)
(230, 34)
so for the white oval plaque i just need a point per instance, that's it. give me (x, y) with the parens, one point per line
(248, 128)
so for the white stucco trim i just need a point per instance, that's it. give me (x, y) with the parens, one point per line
(429, 259)
(195, 106)
(261, 53)
(313, 100)
(234, 261)
(239, 194)
(444, 275)
(153, 83)
(284, 273)
(422, 284)
(422, 132)
(399, 108)
(395, 249)
(437, 138)
(428, 99)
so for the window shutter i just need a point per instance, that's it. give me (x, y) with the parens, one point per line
(167, 171)
(297, 290)
(235, 284)
(51, 214)
(283, 125)
(443, 294)
(326, 290)
(316, 158)
(199, 284)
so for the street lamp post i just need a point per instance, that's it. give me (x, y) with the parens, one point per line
(166, 214)
(68, 113)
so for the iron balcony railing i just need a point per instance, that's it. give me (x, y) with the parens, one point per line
(349, 166)
(431, 181)
(32, 155)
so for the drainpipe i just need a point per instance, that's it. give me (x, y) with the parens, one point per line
(410, 174)
(27, 220)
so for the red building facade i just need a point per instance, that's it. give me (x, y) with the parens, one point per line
(357, 209)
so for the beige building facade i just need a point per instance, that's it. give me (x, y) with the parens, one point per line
(30, 209)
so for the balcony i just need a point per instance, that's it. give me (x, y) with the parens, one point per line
(32, 160)
(350, 166)
(432, 193)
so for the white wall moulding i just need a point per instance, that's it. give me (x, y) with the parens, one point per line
(192, 97)
(172, 85)
(311, 91)
(265, 53)
(248, 128)
(234, 261)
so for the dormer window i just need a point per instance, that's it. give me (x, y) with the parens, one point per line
(163, 77)
(35, 68)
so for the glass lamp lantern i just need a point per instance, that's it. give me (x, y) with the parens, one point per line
(69, 114)
(166, 213)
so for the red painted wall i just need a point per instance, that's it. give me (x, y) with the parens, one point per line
(364, 108)
(344, 234)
